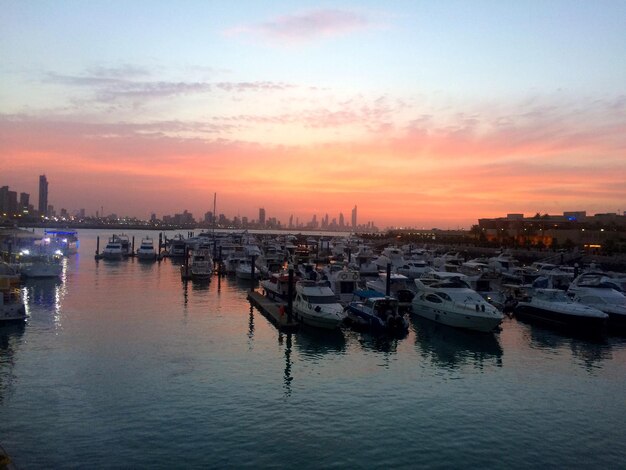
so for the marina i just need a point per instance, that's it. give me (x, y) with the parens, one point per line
(123, 355)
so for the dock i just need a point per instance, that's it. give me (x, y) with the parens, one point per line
(272, 310)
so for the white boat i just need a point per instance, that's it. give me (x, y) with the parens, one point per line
(38, 262)
(597, 290)
(199, 266)
(276, 286)
(401, 287)
(414, 269)
(343, 281)
(117, 248)
(452, 302)
(390, 255)
(176, 247)
(316, 305)
(11, 305)
(244, 271)
(554, 307)
(146, 250)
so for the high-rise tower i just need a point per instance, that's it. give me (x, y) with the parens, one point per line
(43, 195)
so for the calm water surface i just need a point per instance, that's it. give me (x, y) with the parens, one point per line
(121, 365)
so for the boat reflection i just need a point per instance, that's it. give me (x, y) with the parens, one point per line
(590, 350)
(314, 343)
(287, 377)
(44, 295)
(10, 338)
(452, 347)
(379, 342)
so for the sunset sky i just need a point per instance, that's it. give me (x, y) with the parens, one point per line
(422, 113)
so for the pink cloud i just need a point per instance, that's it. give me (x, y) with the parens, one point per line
(306, 26)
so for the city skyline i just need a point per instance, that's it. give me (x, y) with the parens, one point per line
(423, 114)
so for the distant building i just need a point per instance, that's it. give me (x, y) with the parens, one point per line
(354, 220)
(341, 221)
(24, 202)
(43, 195)
(262, 217)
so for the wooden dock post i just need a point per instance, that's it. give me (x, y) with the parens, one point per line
(388, 284)
(98, 247)
(133, 247)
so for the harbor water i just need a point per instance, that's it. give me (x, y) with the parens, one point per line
(122, 365)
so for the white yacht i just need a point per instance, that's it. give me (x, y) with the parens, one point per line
(146, 250)
(401, 287)
(37, 262)
(316, 305)
(553, 306)
(414, 269)
(597, 290)
(343, 281)
(200, 265)
(117, 247)
(244, 270)
(452, 302)
(276, 286)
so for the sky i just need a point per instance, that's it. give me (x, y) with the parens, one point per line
(421, 113)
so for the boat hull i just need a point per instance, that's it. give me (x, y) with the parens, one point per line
(457, 319)
(560, 319)
(312, 319)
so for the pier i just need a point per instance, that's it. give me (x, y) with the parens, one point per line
(275, 311)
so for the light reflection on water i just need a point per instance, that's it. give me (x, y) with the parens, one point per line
(123, 364)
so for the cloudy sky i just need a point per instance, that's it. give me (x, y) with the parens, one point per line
(421, 113)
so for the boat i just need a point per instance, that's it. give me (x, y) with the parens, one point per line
(379, 313)
(177, 247)
(39, 262)
(199, 266)
(400, 287)
(414, 269)
(117, 248)
(554, 307)
(316, 305)
(452, 302)
(597, 290)
(146, 250)
(276, 286)
(343, 282)
(244, 271)
(12, 307)
(64, 240)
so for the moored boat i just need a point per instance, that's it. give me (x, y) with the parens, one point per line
(452, 302)
(376, 312)
(316, 305)
(554, 307)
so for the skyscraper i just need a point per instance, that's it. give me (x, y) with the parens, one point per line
(262, 217)
(354, 217)
(43, 195)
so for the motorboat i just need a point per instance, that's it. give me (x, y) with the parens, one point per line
(64, 240)
(39, 262)
(316, 305)
(379, 313)
(117, 248)
(199, 266)
(12, 307)
(390, 255)
(244, 270)
(276, 286)
(597, 290)
(452, 302)
(9, 275)
(554, 307)
(343, 281)
(414, 269)
(401, 287)
(146, 250)
(177, 247)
